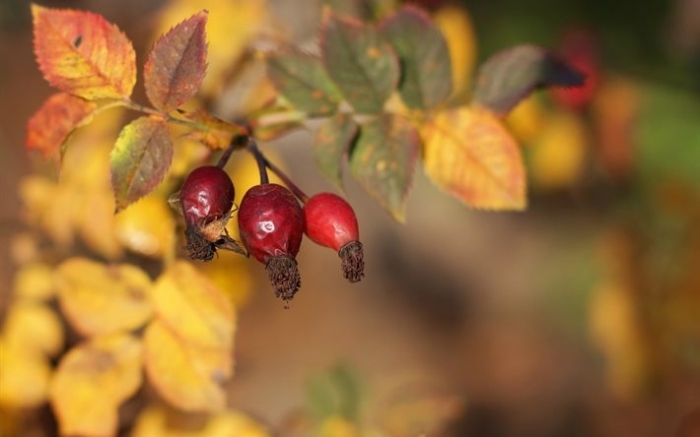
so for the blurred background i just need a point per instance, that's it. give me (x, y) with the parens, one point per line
(578, 317)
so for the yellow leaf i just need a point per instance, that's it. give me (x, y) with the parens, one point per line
(156, 422)
(336, 426)
(616, 331)
(99, 299)
(50, 207)
(231, 25)
(188, 377)
(193, 307)
(527, 120)
(231, 274)
(148, 228)
(33, 327)
(24, 376)
(469, 154)
(95, 222)
(456, 25)
(34, 281)
(557, 160)
(92, 380)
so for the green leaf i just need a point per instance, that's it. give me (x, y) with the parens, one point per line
(512, 74)
(176, 66)
(383, 161)
(140, 158)
(363, 66)
(332, 143)
(303, 81)
(336, 392)
(427, 70)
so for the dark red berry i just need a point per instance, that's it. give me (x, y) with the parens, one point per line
(330, 221)
(206, 199)
(271, 224)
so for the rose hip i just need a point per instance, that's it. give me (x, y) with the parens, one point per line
(330, 221)
(271, 225)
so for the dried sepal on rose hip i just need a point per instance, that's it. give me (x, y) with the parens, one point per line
(206, 200)
(271, 225)
(330, 221)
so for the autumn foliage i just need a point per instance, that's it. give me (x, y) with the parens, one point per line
(392, 95)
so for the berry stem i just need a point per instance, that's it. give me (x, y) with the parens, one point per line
(259, 159)
(236, 142)
(287, 181)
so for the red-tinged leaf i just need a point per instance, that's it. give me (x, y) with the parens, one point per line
(361, 63)
(424, 56)
(383, 161)
(332, 143)
(468, 153)
(140, 159)
(176, 66)
(213, 132)
(512, 74)
(304, 82)
(83, 54)
(55, 120)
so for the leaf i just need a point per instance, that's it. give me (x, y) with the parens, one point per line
(214, 132)
(363, 66)
(51, 125)
(193, 308)
(424, 57)
(157, 421)
(81, 53)
(187, 376)
(332, 143)
(302, 80)
(25, 376)
(457, 26)
(99, 299)
(147, 228)
(140, 159)
(34, 282)
(512, 74)
(92, 380)
(176, 66)
(469, 154)
(335, 393)
(34, 328)
(383, 161)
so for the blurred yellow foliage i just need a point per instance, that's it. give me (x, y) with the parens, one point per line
(25, 376)
(34, 281)
(527, 120)
(458, 29)
(231, 26)
(230, 272)
(558, 157)
(616, 331)
(92, 380)
(34, 328)
(99, 299)
(147, 228)
(337, 426)
(187, 376)
(155, 422)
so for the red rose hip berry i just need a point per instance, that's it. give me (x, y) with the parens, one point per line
(206, 199)
(271, 225)
(330, 221)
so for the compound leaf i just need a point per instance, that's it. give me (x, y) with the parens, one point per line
(424, 56)
(361, 63)
(332, 143)
(512, 74)
(176, 66)
(52, 124)
(140, 159)
(469, 154)
(383, 161)
(83, 54)
(304, 82)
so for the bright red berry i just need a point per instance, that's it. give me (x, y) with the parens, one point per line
(271, 224)
(330, 221)
(206, 199)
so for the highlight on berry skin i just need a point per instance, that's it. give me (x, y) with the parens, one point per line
(331, 222)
